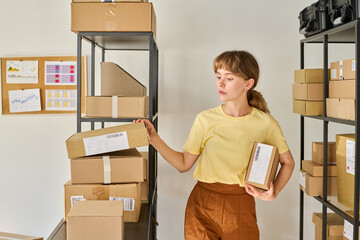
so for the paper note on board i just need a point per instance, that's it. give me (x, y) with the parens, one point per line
(27, 100)
(60, 100)
(260, 164)
(60, 73)
(22, 72)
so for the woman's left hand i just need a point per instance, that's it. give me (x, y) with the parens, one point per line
(268, 195)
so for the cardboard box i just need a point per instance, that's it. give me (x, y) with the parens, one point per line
(311, 91)
(262, 156)
(340, 108)
(309, 75)
(314, 108)
(316, 170)
(313, 186)
(145, 184)
(93, 220)
(345, 152)
(342, 70)
(117, 167)
(117, 107)
(13, 236)
(342, 89)
(318, 152)
(129, 193)
(115, 81)
(334, 226)
(104, 1)
(105, 140)
(113, 17)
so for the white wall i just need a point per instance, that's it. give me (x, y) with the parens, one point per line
(34, 164)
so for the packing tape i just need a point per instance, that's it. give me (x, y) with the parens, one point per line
(114, 106)
(107, 169)
(341, 70)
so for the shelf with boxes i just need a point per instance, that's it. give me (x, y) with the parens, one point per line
(335, 88)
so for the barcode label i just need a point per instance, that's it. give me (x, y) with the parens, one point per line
(115, 135)
(258, 149)
(129, 203)
(76, 199)
(106, 143)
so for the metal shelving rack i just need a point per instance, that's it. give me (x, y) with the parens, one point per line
(145, 229)
(348, 33)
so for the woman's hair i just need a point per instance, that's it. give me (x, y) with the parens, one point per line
(243, 64)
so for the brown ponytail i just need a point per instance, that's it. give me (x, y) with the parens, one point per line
(243, 64)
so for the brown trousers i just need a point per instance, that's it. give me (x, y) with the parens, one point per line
(220, 211)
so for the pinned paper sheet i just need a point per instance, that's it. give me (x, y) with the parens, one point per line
(60, 73)
(27, 100)
(60, 100)
(22, 72)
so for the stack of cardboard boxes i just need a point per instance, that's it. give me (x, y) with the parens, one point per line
(334, 226)
(341, 101)
(105, 165)
(311, 174)
(308, 92)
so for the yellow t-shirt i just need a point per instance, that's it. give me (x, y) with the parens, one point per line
(225, 143)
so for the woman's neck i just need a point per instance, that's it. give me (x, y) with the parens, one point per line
(236, 110)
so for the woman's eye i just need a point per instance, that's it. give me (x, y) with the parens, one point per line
(230, 79)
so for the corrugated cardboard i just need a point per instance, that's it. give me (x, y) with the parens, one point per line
(340, 108)
(145, 184)
(342, 70)
(125, 107)
(345, 180)
(94, 220)
(308, 91)
(316, 170)
(125, 166)
(257, 159)
(113, 17)
(318, 152)
(110, 1)
(315, 108)
(115, 81)
(13, 236)
(78, 144)
(309, 75)
(334, 226)
(314, 185)
(342, 89)
(105, 192)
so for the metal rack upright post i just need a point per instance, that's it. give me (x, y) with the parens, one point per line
(348, 33)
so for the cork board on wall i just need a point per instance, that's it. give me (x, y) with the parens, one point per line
(41, 85)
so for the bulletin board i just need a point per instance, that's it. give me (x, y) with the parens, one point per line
(41, 85)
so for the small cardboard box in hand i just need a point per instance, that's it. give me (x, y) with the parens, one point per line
(262, 166)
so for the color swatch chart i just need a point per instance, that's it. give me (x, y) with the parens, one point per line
(61, 100)
(60, 73)
(27, 100)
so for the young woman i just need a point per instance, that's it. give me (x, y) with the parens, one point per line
(221, 206)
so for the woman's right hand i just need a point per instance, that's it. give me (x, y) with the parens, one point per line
(153, 135)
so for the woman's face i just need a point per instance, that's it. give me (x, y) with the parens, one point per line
(230, 87)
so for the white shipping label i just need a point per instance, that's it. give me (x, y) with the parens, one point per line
(106, 143)
(333, 73)
(341, 70)
(107, 0)
(129, 203)
(353, 63)
(350, 156)
(260, 163)
(348, 230)
(302, 179)
(76, 199)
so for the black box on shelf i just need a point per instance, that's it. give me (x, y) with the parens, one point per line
(343, 11)
(314, 18)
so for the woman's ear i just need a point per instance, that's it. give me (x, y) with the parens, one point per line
(249, 83)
